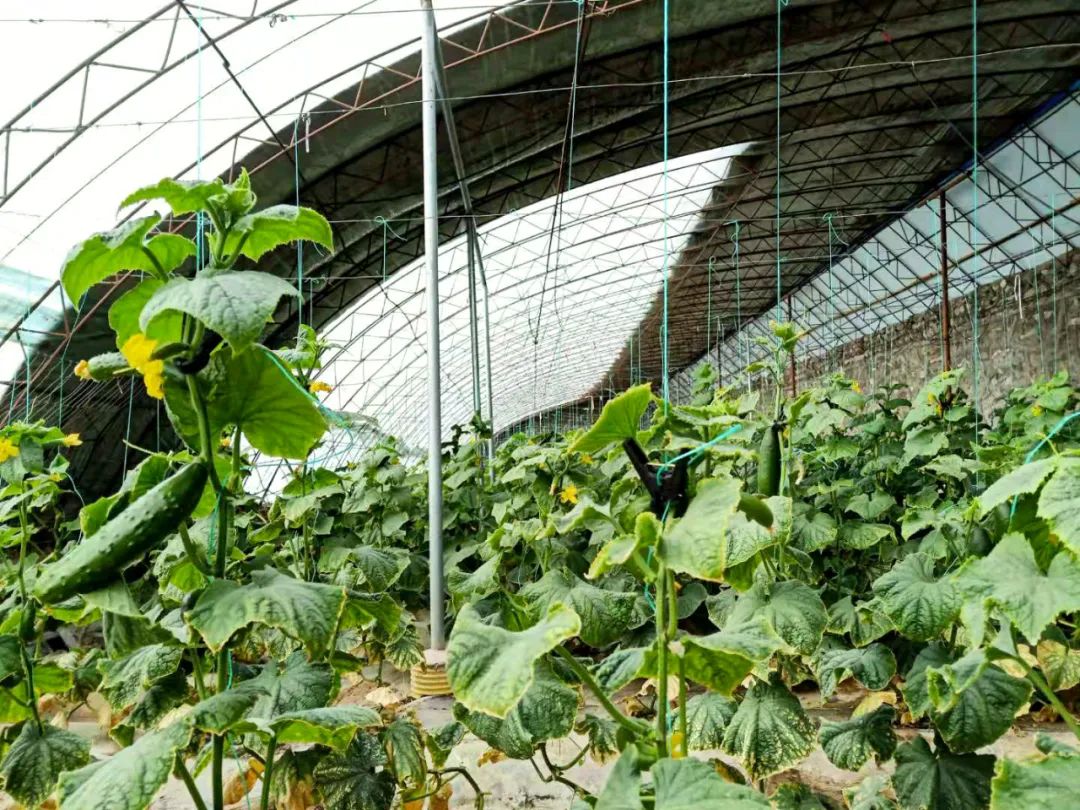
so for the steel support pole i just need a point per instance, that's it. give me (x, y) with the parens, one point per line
(946, 337)
(431, 258)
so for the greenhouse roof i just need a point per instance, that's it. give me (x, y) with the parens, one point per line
(559, 110)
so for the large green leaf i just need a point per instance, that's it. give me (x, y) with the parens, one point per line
(861, 536)
(619, 420)
(915, 688)
(940, 780)
(381, 567)
(1010, 578)
(622, 790)
(124, 315)
(165, 695)
(472, 586)
(278, 225)
(605, 615)
(624, 666)
(10, 656)
(182, 196)
(1024, 480)
(973, 701)
(277, 416)
(707, 717)
(296, 685)
(356, 780)
(722, 660)
(1043, 783)
(1059, 662)
(688, 784)
(545, 712)
(36, 759)
(770, 731)
(921, 606)
(234, 304)
(491, 668)
(713, 535)
(130, 778)
(124, 248)
(306, 611)
(125, 679)
(869, 794)
(404, 746)
(793, 610)
(332, 726)
(223, 711)
(873, 666)
(1059, 503)
(851, 743)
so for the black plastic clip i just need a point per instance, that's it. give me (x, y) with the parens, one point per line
(666, 485)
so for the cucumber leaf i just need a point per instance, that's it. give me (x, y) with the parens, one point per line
(545, 712)
(707, 717)
(622, 791)
(124, 248)
(689, 784)
(851, 743)
(1024, 480)
(793, 610)
(1058, 503)
(915, 689)
(921, 606)
(306, 611)
(770, 731)
(940, 780)
(1010, 578)
(1059, 662)
(722, 660)
(36, 759)
(130, 778)
(332, 726)
(490, 668)
(873, 666)
(182, 196)
(1044, 783)
(124, 315)
(973, 701)
(356, 779)
(125, 679)
(605, 615)
(258, 233)
(619, 420)
(236, 305)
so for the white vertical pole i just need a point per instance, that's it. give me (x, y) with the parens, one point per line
(431, 257)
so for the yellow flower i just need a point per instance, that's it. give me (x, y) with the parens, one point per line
(586, 459)
(138, 350)
(82, 370)
(569, 494)
(56, 478)
(7, 449)
(856, 387)
(71, 440)
(226, 442)
(320, 387)
(1036, 410)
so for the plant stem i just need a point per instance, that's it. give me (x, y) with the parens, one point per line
(268, 772)
(684, 743)
(191, 550)
(661, 660)
(193, 789)
(28, 665)
(199, 673)
(199, 406)
(1055, 702)
(586, 678)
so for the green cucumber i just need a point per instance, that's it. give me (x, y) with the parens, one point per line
(26, 623)
(99, 559)
(104, 367)
(980, 543)
(768, 470)
(756, 509)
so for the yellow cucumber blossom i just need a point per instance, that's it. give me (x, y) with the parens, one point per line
(320, 387)
(586, 458)
(226, 442)
(7, 449)
(1036, 410)
(569, 494)
(71, 440)
(856, 387)
(82, 370)
(138, 350)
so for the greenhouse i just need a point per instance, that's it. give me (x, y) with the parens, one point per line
(585, 404)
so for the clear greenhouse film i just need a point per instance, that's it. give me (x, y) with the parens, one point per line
(564, 299)
(111, 92)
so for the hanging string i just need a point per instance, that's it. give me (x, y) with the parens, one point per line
(975, 218)
(380, 220)
(300, 242)
(832, 293)
(664, 359)
(779, 283)
(738, 303)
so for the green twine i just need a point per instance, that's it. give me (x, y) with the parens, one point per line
(1042, 443)
(381, 220)
(697, 451)
(779, 58)
(664, 329)
(975, 214)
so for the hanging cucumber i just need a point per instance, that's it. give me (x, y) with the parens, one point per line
(768, 470)
(148, 520)
(26, 623)
(756, 509)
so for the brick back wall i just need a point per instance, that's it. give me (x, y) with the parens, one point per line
(1029, 327)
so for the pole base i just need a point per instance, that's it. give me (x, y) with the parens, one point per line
(428, 679)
